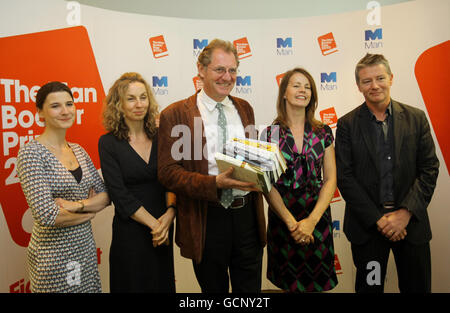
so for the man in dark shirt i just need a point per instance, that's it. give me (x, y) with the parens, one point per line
(385, 151)
(387, 171)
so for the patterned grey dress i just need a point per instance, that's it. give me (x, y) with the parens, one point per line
(60, 259)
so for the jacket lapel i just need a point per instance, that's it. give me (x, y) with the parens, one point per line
(365, 125)
(197, 128)
(399, 130)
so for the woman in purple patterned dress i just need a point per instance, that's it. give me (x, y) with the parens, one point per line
(300, 239)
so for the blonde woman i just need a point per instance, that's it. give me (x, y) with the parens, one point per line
(141, 254)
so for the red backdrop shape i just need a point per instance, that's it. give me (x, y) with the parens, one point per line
(34, 59)
(432, 72)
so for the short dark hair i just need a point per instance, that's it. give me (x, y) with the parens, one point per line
(370, 60)
(49, 88)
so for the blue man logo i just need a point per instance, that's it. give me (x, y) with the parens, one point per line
(160, 82)
(324, 77)
(244, 81)
(336, 225)
(374, 35)
(200, 44)
(284, 43)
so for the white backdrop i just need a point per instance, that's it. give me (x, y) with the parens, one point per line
(120, 43)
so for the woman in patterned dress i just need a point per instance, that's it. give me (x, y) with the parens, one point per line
(141, 254)
(64, 191)
(300, 239)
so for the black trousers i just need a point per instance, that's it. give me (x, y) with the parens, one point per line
(232, 246)
(413, 263)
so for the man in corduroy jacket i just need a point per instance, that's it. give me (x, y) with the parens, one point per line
(220, 237)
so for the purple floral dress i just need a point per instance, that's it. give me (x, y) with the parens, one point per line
(290, 266)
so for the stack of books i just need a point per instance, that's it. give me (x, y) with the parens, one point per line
(255, 161)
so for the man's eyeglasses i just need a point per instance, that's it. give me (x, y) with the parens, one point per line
(223, 70)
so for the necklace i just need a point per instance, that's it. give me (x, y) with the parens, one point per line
(54, 148)
(67, 159)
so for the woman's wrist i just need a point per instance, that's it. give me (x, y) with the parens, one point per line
(314, 219)
(290, 222)
(80, 209)
(154, 224)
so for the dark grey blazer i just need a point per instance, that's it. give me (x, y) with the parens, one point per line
(416, 168)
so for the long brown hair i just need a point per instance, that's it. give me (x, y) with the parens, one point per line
(113, 119)
(310, 109)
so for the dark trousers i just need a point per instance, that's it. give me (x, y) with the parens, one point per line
(413, 264)
(232, 246)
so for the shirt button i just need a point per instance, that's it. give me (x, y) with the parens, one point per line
(389, 157)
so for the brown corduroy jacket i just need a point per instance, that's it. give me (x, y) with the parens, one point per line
(183, 169)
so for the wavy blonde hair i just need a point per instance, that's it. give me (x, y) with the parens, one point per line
(113, 119)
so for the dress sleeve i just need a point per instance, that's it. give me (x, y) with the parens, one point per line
(329, 138)
(125, 203)
(97, 182)
(35, 186)
(271, 134)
